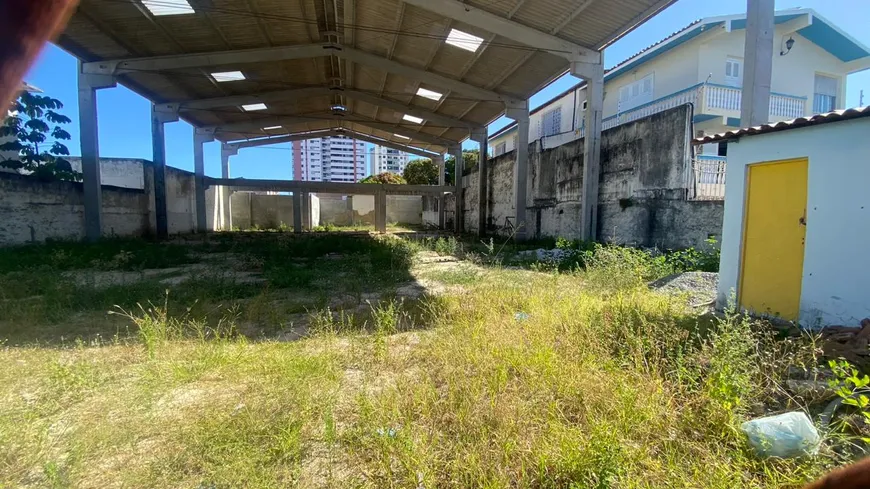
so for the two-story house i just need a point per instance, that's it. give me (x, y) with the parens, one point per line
(702, 64)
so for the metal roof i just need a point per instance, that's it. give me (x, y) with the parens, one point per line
(835, 116)
(303, 57)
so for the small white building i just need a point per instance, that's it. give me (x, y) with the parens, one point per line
(796, 233)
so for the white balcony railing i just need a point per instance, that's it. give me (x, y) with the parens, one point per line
(707, 98)
(708, 178)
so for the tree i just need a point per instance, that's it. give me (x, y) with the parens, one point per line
(384, 178)
(421, 172)
(32, 121)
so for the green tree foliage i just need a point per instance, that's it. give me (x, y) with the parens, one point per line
(470, 158)
(421, 172)
(37, 128)
(385, 178)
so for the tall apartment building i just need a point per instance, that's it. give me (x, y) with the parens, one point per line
(329, 159)
(388, 160)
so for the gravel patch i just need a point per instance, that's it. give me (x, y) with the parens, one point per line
(701, 286)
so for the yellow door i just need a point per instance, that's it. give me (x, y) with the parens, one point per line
(773, 238)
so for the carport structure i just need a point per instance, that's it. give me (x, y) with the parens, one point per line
(421, 75)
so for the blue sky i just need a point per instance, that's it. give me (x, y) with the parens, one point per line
(124, 117)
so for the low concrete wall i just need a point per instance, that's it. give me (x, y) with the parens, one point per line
(643, 187)
(34, 211)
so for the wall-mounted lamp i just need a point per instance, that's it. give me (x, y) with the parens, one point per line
(788, 45)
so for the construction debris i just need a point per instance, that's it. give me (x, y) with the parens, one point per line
(849, 343)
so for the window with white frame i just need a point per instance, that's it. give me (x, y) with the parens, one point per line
(551, 123)
(734, 72)
(500, 149)
(825, 94)
(636, 93)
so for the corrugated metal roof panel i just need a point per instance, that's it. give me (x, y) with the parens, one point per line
(835, 116)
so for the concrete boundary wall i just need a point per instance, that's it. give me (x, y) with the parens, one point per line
(643, 188)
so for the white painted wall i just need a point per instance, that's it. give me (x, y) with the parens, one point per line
(837, 255)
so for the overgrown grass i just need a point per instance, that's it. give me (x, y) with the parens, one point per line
(581, 379)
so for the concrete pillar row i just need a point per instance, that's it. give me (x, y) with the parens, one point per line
(593, 73)
(480, 136)
(88, 84)
(225, 212)
(458, 206)
(159, 117)
(200, 137)
(520, 114)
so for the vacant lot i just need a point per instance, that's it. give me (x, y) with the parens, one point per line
(268, 360)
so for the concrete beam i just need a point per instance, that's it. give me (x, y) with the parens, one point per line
(521, 170)
(382, 142)
(327, 187)
(482, 188)
(302, 136)
(458, 207)
(90, 146)
(758, 67)
(301, 93)
(202, 60)
(250, 126)
(515, 31)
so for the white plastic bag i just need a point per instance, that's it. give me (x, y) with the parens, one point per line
(785, 435)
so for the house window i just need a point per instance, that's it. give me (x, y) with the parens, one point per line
(825, 96)
(636, 93)
(552, 122)
(500, 149)
(734, 72)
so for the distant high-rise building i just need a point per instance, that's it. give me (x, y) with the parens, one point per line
(330, 159)
(388, 160)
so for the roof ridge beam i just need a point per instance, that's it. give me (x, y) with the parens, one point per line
(288, 138)
(509, 29)
(385, 143)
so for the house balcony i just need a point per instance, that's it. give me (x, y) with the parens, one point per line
(711, 102)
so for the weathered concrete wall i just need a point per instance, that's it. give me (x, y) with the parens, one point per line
(180, 201)
(355, 210)
(34, 211)
(117, 172)
(405, 209)
(643, 181)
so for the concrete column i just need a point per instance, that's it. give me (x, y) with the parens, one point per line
(758, 63)
(381, 212)
(520, 113)
(350, 211)
(439, 162)
(594, 76)
(226, 209)
(160, 115)
(200, 137)
(458, 207)
(480, 136)
(297, 211)
(90, 145)
(306, 210)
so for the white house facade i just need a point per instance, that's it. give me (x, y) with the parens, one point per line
(702, 64)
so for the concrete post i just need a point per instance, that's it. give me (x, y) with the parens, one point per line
(89, 138)
(226, 208)
(480, 136)
(381, 212)
(594, 76)
(160, 115)
(297, 211)
(439, 162)
(350, 211)
(458, 206)
(200, 137)
(306, 210)
(520, 113)
(758, 63)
